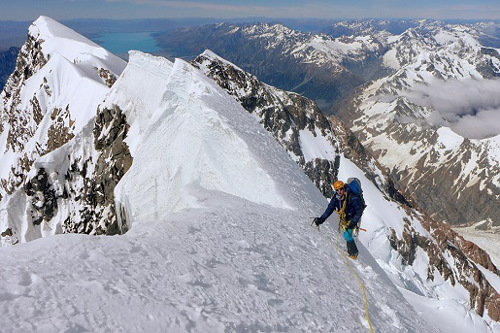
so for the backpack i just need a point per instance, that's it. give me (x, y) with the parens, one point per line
(355, 186)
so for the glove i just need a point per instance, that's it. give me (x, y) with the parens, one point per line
(318, 220)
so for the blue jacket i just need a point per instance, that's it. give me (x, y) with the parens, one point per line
(353, 209)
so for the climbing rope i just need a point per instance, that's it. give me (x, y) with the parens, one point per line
(341, 213)
(361, 284)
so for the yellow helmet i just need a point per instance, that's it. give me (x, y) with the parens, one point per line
(338, 185)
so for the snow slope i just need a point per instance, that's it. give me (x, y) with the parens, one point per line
(232, 266)
(440, 303)
(395, 235)
(220, 259)
(202, 114)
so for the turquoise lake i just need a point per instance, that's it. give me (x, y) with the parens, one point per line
(121, 43)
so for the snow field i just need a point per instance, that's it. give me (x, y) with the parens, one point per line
(234, 265)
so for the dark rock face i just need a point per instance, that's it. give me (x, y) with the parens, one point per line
(82, 193)
(283, 114)
(59, 133)
(43, 197)
(30, 60)
(98, 215)
(113, 162)
(18, 126)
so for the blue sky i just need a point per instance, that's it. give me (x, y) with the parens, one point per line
(29, 10)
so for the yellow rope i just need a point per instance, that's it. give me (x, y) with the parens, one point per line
(360, 283)
(341, 212)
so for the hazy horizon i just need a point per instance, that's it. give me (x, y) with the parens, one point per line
(13, 33)
(29, 10)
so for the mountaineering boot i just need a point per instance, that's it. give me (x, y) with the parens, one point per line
(352, 249)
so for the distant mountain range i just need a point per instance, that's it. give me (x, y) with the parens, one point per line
(372, 74)
(289, 59)
(430, 122)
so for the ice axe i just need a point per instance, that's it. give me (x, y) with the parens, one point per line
(313, 222)
(358, 230)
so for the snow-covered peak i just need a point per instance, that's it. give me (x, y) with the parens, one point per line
(209, 54)
(52, 95)
(264, 30)
(57, 38)
(62, 70)
(46, 28)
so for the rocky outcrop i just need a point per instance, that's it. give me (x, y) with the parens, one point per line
(73, 190)
(21, 125)
(42, 198)
(114, 160)
(452, 257)
(15, 126)
(54, 181)
(91, 181)
(105, 74)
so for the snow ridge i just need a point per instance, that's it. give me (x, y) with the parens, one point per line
(196, 137)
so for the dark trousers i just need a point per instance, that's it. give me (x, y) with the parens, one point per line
(352, 249)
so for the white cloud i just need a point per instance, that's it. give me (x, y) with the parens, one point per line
(485, 124)
(470, 107)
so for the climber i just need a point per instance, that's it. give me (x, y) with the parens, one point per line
(349, 204)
